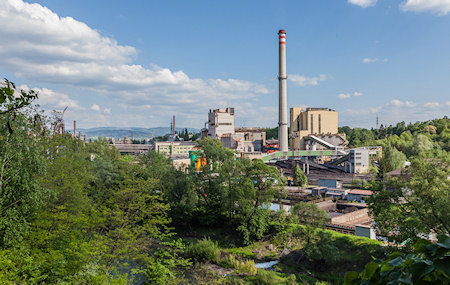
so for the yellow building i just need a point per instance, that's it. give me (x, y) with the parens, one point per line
(312, 121)
(177, 148)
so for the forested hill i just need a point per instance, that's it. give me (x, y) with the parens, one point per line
(408, 138)
(138, 133)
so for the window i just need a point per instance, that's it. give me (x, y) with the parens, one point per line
(312, 126)
(320, 124)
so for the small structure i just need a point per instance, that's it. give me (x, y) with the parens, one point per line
(318, 191)
(365, 231)
(358, 194)
(330, 183)
(338, 193)
(132, 149)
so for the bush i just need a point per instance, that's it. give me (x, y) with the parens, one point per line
(247, 266)
(429, 264)
(205, 249)
(271, 277)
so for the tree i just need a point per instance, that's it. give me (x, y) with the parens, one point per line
(392, 159)
(21, 164)
(311, 217)
(417, 205)
(300, 178)
(10, 101)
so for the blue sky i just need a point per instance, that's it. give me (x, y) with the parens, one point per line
(137, 63)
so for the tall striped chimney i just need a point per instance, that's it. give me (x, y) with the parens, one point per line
(282, 103)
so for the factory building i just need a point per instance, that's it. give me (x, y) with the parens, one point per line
(175, 149)
(245, 140)
(221, 125)
(322, 123)
(220, 122)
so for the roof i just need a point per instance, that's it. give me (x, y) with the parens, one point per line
(337, 189)
(395, 172)
(360, 192)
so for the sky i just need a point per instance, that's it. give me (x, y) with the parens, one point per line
(137, 63)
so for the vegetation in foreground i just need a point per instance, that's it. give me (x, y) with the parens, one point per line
(79, 213)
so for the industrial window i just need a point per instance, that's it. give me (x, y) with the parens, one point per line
(225, 124)
(320, 125)
(312, 126)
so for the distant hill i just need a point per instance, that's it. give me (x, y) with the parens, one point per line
(138, 133)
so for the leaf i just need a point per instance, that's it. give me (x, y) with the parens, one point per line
(420, 245)
(420, 269)
(443, 265)
(396, 262)
(445, 244)
(370, 270)
(350, 276)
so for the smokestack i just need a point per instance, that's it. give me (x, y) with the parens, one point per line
(282, 111)
(74, 128)
(174, 130)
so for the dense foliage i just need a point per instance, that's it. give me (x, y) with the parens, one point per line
(411, 139)
(416, 204)
(76, 212)
(429, 264)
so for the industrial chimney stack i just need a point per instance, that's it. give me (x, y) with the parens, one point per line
(282, 112)
(74, 128)
(174, 130)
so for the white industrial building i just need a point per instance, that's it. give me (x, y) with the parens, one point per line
(220, 122)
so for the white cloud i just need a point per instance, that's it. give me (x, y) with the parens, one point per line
(348, 95)
(95, 107)
(398, 103)
(304, 81)
(50, 99)
(363, 3)
(447, 103)
(439, 7)
(344, 95)
(432, 105)
(107, 110)
(369, 60)
(39, 45)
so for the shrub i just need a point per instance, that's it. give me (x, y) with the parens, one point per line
(205, 249)
(247, 267)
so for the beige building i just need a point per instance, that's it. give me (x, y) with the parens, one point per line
(245, 140)
(175, 149)
(320, 122)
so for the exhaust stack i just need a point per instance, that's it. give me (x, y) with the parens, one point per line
(282, 103)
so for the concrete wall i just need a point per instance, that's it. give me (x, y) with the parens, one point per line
(348, 218)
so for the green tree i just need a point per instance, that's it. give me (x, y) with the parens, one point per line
(392, 159)
(21, 165)
(417, 204)
(311, 217)
(300, 178)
